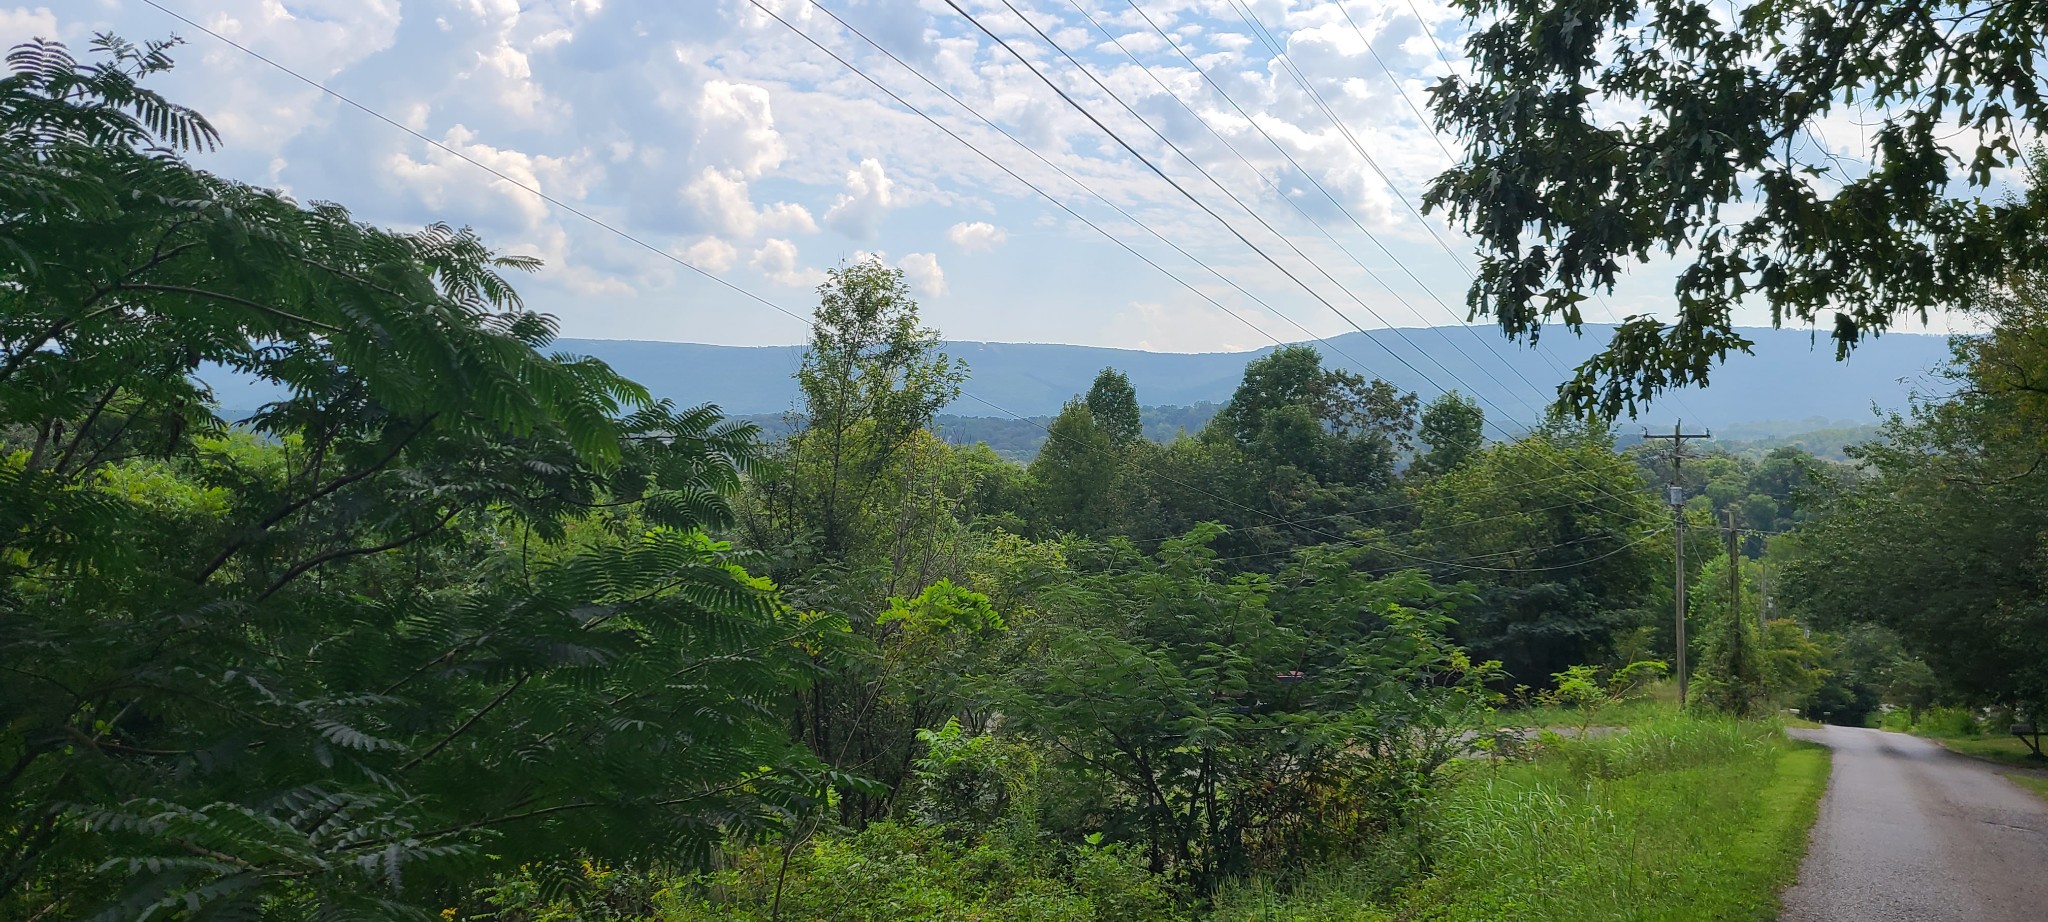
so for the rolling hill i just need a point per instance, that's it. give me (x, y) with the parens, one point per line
(1791, 376)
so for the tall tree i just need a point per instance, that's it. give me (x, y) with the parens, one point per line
(872, 379)
(1113, 403)
(1734, 106)
(1332, 424)
(858, 512)
(1074, 470)
(1454, 428)
(1554, 528)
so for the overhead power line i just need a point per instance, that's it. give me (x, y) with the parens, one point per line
(664, 254)
(1182, 190)
(1613, 316)
(1345, 210)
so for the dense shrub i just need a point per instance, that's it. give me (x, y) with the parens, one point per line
(893, 872)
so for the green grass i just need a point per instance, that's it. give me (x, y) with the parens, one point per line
(2036, 783)
(1678, 819)
(2005, 750)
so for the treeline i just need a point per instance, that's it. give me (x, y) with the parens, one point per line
(1016, 438)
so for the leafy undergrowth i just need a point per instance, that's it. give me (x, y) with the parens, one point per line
(1678, 819)
(1650, 703)
(890, 872)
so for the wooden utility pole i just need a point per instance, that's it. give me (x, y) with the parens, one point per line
(1763, 602)
(1735, 626)
(1676, 496)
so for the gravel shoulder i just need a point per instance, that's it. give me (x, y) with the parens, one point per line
(1911, 831)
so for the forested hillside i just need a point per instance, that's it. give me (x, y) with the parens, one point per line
(1792, 375)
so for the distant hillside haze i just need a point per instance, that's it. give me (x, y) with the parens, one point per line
(1793, 374)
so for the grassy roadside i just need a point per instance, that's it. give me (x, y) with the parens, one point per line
(1678, 819)
(2007, 753)
(2005, 750)
(2035, 783)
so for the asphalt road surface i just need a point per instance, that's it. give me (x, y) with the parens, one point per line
(1911, 832)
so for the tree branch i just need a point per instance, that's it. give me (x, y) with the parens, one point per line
(471, 722)
(340, 553)
(338, 483)
(229, 299)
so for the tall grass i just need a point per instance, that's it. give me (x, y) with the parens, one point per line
(1677, 819)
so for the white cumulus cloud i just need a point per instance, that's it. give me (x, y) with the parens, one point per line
(776, 260)
(737, 129)
(869, 192)
(976, 236)
(923, 272)
(446, 182)
(721, 198)
(711, 255)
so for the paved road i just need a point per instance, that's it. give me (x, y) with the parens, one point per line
(1911, 831)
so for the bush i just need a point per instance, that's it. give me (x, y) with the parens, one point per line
(891, 872)
(1948, 721)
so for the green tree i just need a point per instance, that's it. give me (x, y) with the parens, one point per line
(1555, 528)
(1454, 428)
(1241, 723)
(1942, 541)
(1732, 105)
(1114, 405)
(1730, 659)
(873, 379)
(1303, 454)
(446, 605)
(1074, 471)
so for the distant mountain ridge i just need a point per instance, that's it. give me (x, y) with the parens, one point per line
(1792, 375)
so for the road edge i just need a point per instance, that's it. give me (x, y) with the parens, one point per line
(1805, 771)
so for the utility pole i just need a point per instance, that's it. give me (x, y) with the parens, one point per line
(1736, 666)
(1676, 496)
(1763, 588)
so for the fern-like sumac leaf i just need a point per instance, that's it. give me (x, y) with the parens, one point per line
(414, 613)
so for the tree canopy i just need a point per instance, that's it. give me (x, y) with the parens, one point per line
(1942, 542)
(1602, 133)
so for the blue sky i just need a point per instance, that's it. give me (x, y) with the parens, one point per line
(715, 133)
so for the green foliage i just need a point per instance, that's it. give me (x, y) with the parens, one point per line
(1560, 526)
(1561, 194)
(1454, 428)
(1114, 405)
(1242, 722)
(346, 659)
(1075, 471)
(1729, 675)
(1947, 721)
(872, 380)
(1332, 424)
(1676, 819)
(969, 782)
(1588, 692)
(895, 873)
(1942, 542)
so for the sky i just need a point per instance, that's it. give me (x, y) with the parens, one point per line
(714, 134)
